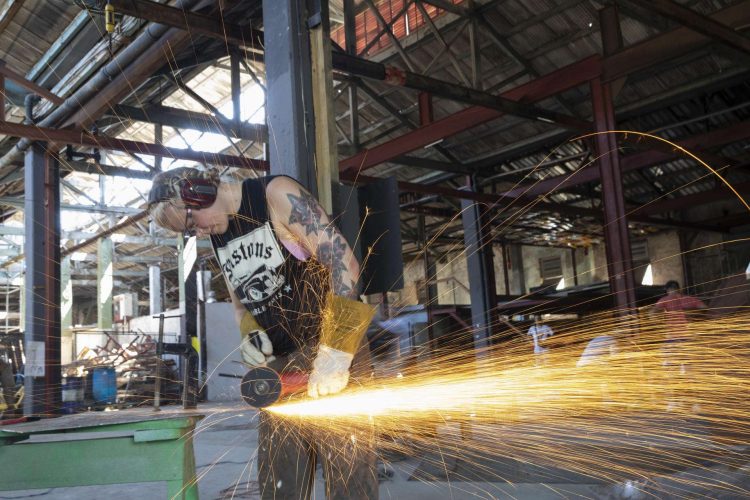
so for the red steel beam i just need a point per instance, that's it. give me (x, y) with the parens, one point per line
(551, 84)
(28, 85)
(83, 138)
(692, 200)
(702, 142)
(669, 45)
(697, 22)
(622, 63)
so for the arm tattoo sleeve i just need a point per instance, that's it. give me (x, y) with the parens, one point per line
(306, 211)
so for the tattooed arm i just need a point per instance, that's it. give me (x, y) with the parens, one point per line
(307, 223)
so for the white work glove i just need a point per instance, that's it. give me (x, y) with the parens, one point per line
(256, 348)
(330, 372)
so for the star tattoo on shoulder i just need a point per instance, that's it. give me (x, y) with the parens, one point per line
(306, 212)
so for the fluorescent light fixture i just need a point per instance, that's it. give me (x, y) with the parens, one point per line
(561, 284)
(545, 120)
(434, 143)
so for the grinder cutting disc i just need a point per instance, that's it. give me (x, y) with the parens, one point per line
(261, 387)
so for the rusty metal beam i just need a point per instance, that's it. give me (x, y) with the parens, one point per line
(553, 83)
(407, 79)
(180, 118)
(655, 50)
(211, 26)
(622, 63)
(30, 86)
(449, 6)
(692, 200)
(695, 144)
(697, 22)
(84, 138)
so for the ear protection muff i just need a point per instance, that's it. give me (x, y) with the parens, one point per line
(198, 193)
(194, 192)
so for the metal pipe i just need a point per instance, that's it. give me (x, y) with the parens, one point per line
(147, 47)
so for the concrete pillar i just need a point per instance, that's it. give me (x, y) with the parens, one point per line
(105, 283)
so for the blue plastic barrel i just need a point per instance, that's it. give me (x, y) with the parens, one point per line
(72, 394)
(105, 385)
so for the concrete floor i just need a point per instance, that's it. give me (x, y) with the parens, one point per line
(225, 445)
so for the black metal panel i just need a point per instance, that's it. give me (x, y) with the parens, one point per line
(383, 263)
(346, 216)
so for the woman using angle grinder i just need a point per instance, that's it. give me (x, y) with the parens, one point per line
(293, 280)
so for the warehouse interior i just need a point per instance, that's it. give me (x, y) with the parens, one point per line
(495, 165)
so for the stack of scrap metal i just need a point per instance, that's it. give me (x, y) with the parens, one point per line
(136, 367)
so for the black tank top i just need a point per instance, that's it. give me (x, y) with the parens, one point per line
(284, 294)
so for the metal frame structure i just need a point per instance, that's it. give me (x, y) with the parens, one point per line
(460, 97)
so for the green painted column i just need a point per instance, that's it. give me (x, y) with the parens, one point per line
(66, 312)
(105, 283)
(181, 269)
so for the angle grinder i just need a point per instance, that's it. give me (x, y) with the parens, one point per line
(263, 386)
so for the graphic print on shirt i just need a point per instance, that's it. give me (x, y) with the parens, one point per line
(251, 263)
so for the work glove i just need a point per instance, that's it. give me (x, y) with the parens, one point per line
(343, 326)
(255, 346)
(330, 372)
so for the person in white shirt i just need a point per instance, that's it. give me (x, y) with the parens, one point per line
(539, 332)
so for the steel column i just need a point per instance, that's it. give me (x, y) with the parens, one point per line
(481, 272)
(506, 266)
(617, 239)
(575, 266)
(350, 37)
(289, 81)
(42, 288)
(234, 61)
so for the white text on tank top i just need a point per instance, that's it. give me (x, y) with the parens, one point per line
(252, 263)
